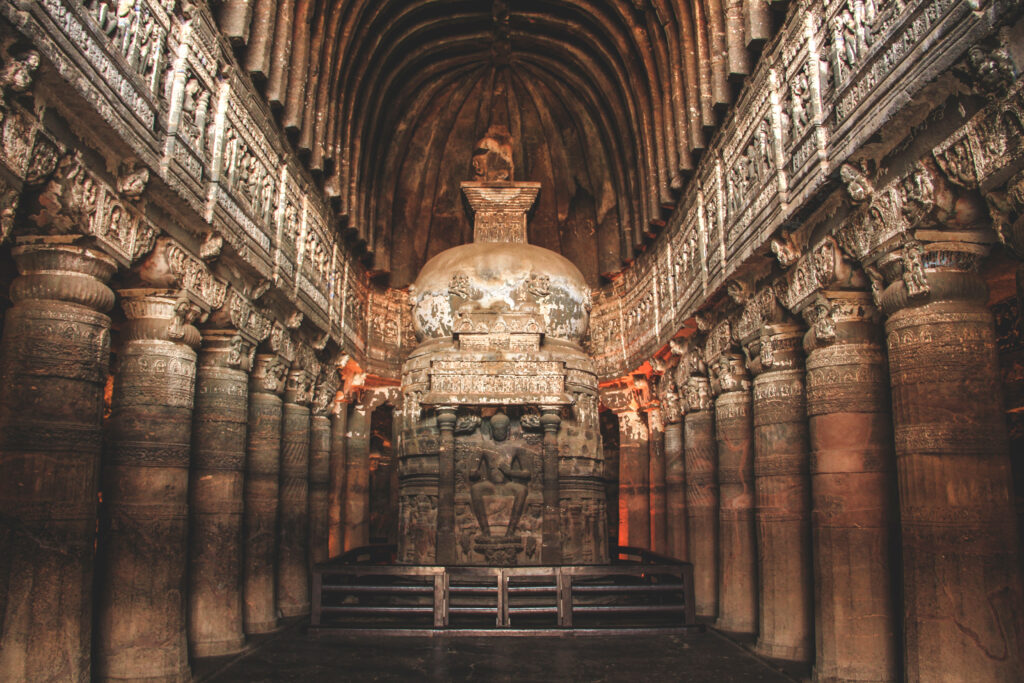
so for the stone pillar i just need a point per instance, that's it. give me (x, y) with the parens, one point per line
(659, 531)
(357, 484)
(634, 480)
(262, 473)
(293, 519)
(336, 476)
(144, 523)
(702, 494)
(675, 491)
(734, 435)
(961, 568)
(53, 366)
(215, 496)
(551, 544)
(853, 491)
(782, 484)
(319, 467)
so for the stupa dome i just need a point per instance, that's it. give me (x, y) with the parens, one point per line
(501, 277)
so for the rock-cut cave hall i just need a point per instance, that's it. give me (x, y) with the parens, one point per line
(511, 340)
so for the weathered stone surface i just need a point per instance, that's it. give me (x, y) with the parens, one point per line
(783, 495)
(734, 435)
(261, 493)
(338, 469)
(216, 484)
(357, 479)
(853, 496)
(634, 481)
(702, 506)
(142, 593)
(956, 511)
(54, 356)
(659, 527)
(293, 521)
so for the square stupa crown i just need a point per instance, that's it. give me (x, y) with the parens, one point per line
(499, 209)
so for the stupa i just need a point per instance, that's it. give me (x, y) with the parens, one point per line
(500, 449)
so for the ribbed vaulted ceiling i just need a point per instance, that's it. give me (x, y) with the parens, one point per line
(609, 103)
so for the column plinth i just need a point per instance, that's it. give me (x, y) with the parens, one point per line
(54, 359)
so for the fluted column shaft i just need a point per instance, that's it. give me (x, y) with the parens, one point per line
(357, 482)
(319, 477)
(659, 530)
(293, 523)
(215, 498)
(675, 492)
(144, 523)
(702, 496)
(853, 493)
(261, 493)
(961, 568)
(782, 484)
(54, 357)
(336, 484)
(734, 433)
(634, 481)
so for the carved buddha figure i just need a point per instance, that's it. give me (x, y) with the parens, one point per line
(499, 472)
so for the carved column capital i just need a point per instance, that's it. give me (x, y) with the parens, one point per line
(446, 417)
(268, 373)
(727, 370)
(778, 347)
(54, 268)
(326, 391)
(550, 418)
(160, 314)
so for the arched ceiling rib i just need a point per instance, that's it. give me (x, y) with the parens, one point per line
(610, 103)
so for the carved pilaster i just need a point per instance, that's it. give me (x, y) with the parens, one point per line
(54, 356)
(551, 547)
(144, 525)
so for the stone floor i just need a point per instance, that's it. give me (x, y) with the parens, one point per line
(293, 655)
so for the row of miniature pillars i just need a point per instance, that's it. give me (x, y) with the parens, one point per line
(212, 486)
(786, 500)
